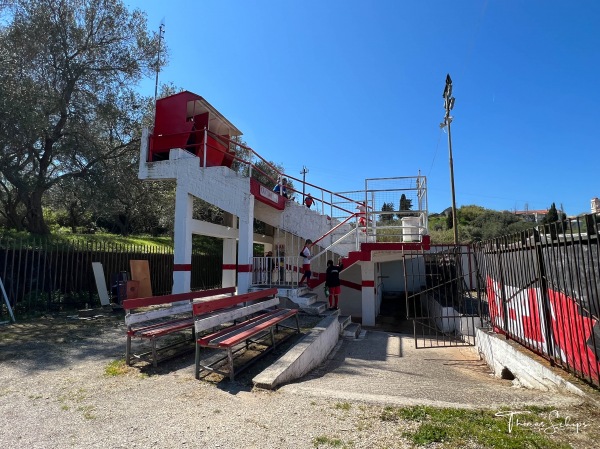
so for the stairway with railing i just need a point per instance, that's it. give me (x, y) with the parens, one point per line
(200, 149)
(339, 223)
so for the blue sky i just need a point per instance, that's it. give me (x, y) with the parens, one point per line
(353, 89)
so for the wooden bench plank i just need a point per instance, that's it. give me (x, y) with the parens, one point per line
(136, 303)
(150, 315)
(161, 329)
(217, 318)
(222, 303)
(241, 332)
(272, 321)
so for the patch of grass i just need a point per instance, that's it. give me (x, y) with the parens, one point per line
(343, 406)
(116, 368)
(87, 411)
(78, 395)
(458, 428)
(4, 392)
(325, 441)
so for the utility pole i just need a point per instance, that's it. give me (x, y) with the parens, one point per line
(161, 32)
(448, 105)
(303, 173)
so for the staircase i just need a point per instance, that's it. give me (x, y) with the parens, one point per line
(306, 300)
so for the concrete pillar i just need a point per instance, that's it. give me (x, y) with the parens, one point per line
(245, 245)
(182, 268)
(229, 267)
(369, 306)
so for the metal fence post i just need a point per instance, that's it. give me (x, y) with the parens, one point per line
(545, 299)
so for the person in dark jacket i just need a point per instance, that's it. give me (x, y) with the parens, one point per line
(332, 282)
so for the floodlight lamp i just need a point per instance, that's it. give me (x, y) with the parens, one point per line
(451, 102)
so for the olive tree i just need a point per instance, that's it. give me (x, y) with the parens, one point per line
(68, 70)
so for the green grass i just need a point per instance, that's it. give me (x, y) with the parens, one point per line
(325, 441)
(342, 406)
(116, 368)
(457, 428)
(63, 238)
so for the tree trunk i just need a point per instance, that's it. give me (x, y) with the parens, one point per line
(13, 218)
(34, 218)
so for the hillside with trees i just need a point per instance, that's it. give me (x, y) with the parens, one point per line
(476, 223)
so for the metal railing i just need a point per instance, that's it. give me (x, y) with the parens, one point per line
(41, 276)
(395, 209)
(543, 290)
(276, 271)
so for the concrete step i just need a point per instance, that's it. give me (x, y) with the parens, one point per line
(305, 300)
(344, 321)
(316, 308)
(352, 331)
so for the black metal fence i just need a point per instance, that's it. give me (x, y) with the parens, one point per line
(42, 276)
(441, 298)
(543, 290)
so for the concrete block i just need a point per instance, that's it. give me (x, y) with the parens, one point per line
(305, 355)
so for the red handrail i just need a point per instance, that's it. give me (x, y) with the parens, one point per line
(333, 229)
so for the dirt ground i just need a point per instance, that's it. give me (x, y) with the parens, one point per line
(56, 392)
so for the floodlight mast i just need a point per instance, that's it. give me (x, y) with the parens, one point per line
(161, 32)
(303, 173)
(448, 105)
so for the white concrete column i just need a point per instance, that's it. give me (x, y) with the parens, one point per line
(369, 306)
(182, 268)
(229, 267)
(245, 245)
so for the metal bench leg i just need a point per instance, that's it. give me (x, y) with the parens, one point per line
(230, 358)
(273, 337)
(297, 323)
(197, 361)
(154, 355)
(128, 351)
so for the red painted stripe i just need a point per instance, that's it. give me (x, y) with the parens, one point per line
(245, 268)
(229, 266)
(352, 285)
(182, 267)
(366, 283)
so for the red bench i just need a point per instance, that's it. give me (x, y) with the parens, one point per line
(162, 316)
(266, 321)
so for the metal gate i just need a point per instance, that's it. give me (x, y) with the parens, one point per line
(442, 297)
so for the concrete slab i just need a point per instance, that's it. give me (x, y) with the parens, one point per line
(386, 368)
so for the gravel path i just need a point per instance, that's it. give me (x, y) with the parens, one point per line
(54, 393)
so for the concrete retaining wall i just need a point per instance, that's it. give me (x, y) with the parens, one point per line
(500, 355)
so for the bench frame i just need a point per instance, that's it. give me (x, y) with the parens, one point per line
(253, 330)
(160, 322)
